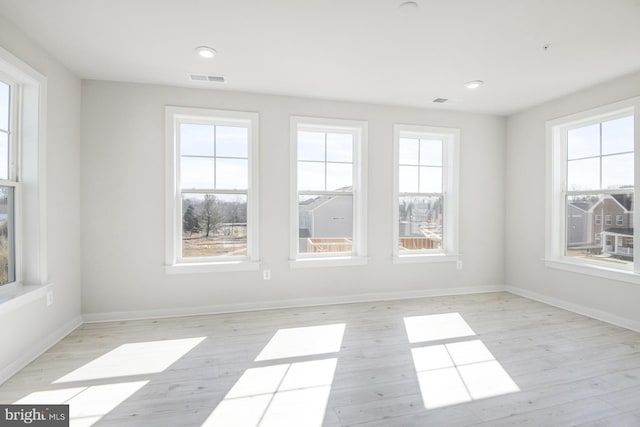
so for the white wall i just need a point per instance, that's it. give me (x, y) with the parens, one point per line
(123, 204)
(27, 329)
(525, 212)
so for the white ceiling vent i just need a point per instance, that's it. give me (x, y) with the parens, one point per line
(440, 100)
(205, 78)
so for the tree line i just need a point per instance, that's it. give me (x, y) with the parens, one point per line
(205, 216)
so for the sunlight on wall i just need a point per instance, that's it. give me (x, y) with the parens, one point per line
(87, 405)
(306, 341)
(133, 359)
(436, 327)
(454, 372)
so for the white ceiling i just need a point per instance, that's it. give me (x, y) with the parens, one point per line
(358, 50)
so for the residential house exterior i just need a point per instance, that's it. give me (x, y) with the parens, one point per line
(601, 225)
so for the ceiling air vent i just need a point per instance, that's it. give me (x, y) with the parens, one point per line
(440, 100)
(205, 78)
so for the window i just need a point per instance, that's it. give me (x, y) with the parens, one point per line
(23, 254)
(211, 190)
(8, 181)
(592, 158)
(425, 197)
(328, 208)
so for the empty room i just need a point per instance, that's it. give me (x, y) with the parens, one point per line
(319, 213)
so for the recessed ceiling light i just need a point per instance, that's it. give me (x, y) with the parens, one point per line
(473, 84)
(408, 7)
(206, 52)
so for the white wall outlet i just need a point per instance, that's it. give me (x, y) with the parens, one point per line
(49, 298)
(459, 264)
(266, 274)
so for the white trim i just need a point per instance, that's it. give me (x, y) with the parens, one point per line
(39, 347)
(556, 189)
(211, 267)
(328, 261)
(598, 270)
(359, 130)
(593, 313)
(31, 217)
(425, 258)
(290, 303)
(174, 263)
(450, 186)
(16, 295)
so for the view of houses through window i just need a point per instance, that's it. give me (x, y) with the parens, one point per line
(325, 191)
(600, 191)
(421, 200)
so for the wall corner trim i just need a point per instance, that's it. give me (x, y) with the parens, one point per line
(603, 316)
(37, 350)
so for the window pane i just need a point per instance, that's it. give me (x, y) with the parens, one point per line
(4, 155)
(583, 174)
(339, 147)
(311, 146)
(408, 154)
(7, 248)
(584, 142)
(197, 173)
(5, 91)
(420, 224)
(430, 152)
(590, 237)
(196, 140)
(232, 141)
(325, 224)
(408, 179)
(430, 180)
(214, 225)
(617, 135)
(339, 177)
(232, 174)
(310, 176)
(617, 171)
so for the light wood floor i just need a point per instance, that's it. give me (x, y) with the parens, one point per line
(568, 369)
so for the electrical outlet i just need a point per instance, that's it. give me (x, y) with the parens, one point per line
(459, 264)
(266, 274)
(49, 298)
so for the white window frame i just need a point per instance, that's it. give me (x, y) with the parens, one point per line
(598, 219)
(358, 255)
(174, 263)
(607, 220)
(556, 170)
(29, 100)
(619, 220)
(450, 191)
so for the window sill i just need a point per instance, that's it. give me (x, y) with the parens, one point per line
(16, 296)
(327, 262)
(211, 267)
(594, 270)
(424, 258)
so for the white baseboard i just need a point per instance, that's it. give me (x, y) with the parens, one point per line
(604, 316)
(290, 303)
(38, 349)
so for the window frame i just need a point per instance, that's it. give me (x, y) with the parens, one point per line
(358, 254)
(450, 138)
(174, 262)
(556, 189)
(29, 121)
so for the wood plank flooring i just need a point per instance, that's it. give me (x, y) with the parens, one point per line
(568, 369)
